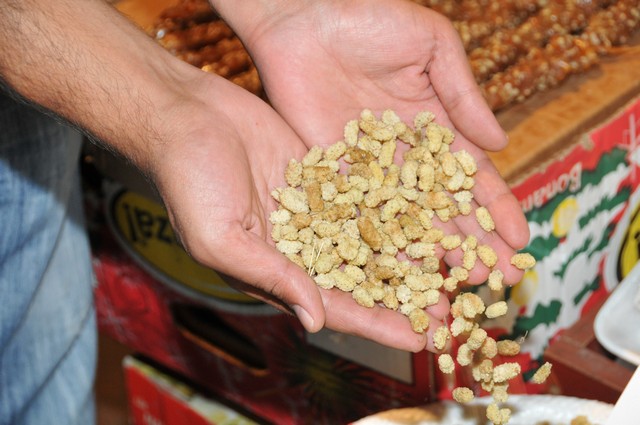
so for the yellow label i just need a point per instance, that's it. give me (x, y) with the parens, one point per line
(524, 290)
(144, 226)
(630, 251)
(564, 216)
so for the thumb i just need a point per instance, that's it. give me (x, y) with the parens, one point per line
(265, 273)
(460, 95)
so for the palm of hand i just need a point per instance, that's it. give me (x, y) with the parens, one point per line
(216, 177)
(325, 64)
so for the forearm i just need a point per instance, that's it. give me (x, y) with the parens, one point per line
(91, 66)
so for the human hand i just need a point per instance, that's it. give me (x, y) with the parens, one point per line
(215, 177)
(323, 62)
(213, 150)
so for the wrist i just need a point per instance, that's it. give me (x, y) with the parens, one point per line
(249, 18)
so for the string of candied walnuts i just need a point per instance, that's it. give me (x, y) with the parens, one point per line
(547, 66)
(193, 32)
(515, 47)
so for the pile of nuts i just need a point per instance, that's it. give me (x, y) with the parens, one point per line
(370, 231)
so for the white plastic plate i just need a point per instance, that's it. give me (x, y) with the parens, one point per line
(617, 324)
(526, 410)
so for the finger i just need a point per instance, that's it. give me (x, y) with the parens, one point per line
(478, 270)
(511, 224)
(380, 324)
(494, 193)
(440, 310)
(456, 88)
(435, 324)
(511, 228)
(253, 261)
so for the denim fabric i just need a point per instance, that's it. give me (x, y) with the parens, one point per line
(47, 318)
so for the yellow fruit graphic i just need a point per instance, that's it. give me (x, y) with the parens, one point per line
(564, 216)
(524, 290)
(630, 250)
(144, 228)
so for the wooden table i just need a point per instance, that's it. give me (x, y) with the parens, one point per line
(548, 123)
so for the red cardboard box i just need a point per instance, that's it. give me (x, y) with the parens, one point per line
(151, 297)
(583, 209)
(156, 398)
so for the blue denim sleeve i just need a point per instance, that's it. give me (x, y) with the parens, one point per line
(47, 318)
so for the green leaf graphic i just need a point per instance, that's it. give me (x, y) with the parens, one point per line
(607, 204)
(595, 284)
(608, 162)
(542, 315)
(563, 268)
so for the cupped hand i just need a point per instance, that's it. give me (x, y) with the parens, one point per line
(322, 62)
(227, 151)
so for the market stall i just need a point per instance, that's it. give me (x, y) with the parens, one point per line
(570, 103)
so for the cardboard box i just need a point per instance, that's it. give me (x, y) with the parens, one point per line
(156, 398)
(583, 209)
(582, 367)
(154, 299)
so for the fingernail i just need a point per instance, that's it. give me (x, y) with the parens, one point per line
(304, 317)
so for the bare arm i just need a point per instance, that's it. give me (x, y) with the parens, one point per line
(197, 136)
(213, 150)
(91, 66)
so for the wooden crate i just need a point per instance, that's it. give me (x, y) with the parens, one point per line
(582, 367)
